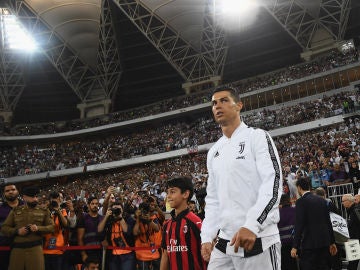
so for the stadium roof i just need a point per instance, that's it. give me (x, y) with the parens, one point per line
(147, 75)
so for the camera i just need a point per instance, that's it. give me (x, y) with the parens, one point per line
(54, 204)
(145, 210)
(116, 211)
(119, 242)
(28, 228)
(63, 205)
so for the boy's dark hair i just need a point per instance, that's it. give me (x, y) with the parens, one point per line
(184, 183)
(233, 92)
(303, 183)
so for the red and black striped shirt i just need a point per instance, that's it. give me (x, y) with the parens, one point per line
(181, 239)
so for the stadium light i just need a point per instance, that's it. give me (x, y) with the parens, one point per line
(14, 35)
(237, 15)
(237, 7)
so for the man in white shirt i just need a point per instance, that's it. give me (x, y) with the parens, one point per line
(243, 193)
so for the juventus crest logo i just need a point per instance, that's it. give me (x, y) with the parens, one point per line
(242, 147)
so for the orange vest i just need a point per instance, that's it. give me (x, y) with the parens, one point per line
(55, 239)
(117, 233)
(148, 238)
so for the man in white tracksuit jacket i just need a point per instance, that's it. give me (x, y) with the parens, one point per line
(243, 193)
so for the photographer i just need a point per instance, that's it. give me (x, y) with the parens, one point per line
(147, 234)
(118, 227)
(155, 210)
(52, 241)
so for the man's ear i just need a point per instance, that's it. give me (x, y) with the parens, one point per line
(238, 105)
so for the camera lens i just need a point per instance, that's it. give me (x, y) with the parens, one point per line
(116, 211)
(54, 204)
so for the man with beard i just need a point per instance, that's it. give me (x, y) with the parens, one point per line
(27, 224)
(87, 230)
(10, 196)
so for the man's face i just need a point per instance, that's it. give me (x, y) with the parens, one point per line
(30, 199)
(224, 108)
(94, 206)
(346, 202)
(357, 198)
(11, 193)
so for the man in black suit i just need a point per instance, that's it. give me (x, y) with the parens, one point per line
(313, 230)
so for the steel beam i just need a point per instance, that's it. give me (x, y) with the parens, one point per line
(109, 65)
(75, 72)
(331, 15)
(191, 64)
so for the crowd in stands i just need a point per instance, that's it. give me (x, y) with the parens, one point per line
(303, 152)
(36, 158)
(333, 60)
(330, 61)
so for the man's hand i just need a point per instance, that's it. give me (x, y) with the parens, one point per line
(206, 249)
(293, 253)
(333, 249)
(243, 238)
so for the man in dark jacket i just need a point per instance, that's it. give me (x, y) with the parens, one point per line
(313, 230)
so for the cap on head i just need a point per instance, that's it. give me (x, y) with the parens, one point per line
(30, 191)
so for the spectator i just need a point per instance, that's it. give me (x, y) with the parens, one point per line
(338, 176)
(314, 234)
(87, 230)
(91, 264)
(286, 227)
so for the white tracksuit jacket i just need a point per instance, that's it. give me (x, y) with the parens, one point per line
(244, 185)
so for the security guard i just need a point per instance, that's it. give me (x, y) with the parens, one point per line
(27, 224)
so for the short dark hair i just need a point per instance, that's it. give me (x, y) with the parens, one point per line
(54, 195)
(184, 183)
(89, 260)
(320, 191)
(303, 183)
(6, 185)
(285, 200)
(233, 92)
(91, 198)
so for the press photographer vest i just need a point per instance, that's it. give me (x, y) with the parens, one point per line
(117, 233)
(148, 238)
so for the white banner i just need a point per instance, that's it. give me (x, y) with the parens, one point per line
(352, 250)
(340, 228)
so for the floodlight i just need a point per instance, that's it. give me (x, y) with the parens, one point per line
(236, 15)
(14, 35)
(237, 7)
